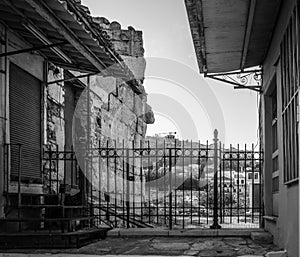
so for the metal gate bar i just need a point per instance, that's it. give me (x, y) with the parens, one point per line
(168, 183)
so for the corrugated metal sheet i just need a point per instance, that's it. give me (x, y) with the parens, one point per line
(72, 15)
(25, 122)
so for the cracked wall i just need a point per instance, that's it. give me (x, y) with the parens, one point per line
(117, 115)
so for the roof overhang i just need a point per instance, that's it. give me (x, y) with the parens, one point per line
(231, 35)
(79, 45)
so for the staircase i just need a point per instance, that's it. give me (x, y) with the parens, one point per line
(66, 216)
(45, 221)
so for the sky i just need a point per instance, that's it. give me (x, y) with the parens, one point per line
(166, 34)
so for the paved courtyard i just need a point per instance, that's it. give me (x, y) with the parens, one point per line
(168, 246)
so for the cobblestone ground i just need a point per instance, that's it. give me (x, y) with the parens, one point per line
(172, 246)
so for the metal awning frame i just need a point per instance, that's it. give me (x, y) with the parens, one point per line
(240, 79)
(63, 30)
(73, 78)
(31, 49)
(99, 67)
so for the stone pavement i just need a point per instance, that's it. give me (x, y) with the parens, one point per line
(166, 246)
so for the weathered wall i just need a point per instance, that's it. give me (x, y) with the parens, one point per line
(114, 101)
(128, 43)
(54, 125)
(116, 113)
(285, 227)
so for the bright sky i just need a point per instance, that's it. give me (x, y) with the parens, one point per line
(167, 34)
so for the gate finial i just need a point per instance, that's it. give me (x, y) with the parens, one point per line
(216, 134)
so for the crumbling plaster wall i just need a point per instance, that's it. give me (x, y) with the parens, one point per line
(54, 126)
(116, 113)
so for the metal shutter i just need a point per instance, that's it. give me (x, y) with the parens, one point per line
(25, 123)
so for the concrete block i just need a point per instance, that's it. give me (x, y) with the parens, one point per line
(217, 253)
(127, 116)
(113, 233)
(194, 233)
(277, 254)
(171, 246)
(262, 237)
(191, 252)
(139, 232)
(206, 245)
(234, 232)
(250, 256)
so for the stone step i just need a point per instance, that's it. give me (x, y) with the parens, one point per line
(50, 240)
(262, 237)
(277, 254)
(138, 232)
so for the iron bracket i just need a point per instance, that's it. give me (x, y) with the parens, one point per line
(247, 79)
(73, 78)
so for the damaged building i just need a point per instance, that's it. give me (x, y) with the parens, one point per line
(69, 81)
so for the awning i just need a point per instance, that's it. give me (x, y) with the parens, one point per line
(81, 44)
(231, 35)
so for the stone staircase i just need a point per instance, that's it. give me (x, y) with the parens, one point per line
(58, 221)
(45, 221)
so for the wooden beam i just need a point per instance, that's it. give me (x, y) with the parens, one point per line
(66, 32)
(194, 10)
(248, 32)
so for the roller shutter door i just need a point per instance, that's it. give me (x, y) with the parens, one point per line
(25, 123)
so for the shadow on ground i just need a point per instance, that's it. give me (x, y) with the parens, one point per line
(170, 246)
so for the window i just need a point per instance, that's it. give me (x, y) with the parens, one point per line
(256, 176)
(274, 120)
(290, 99)
(273, 172)
(275, 140)
(250, 176)
(275, 163)
(275, 185)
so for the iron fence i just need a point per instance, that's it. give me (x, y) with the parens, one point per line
(240, 186)
(167, 183)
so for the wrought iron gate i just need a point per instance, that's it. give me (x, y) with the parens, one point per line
(169, 183)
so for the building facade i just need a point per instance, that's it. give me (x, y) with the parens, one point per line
(240, 39)
(55, 55)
